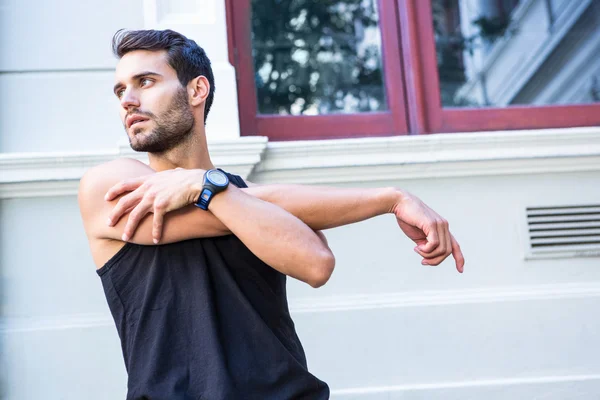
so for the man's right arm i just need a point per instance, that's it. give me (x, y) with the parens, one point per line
(179, 225)
(275, 236)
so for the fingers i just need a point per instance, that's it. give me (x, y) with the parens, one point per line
(134, 219)
(458, 256)
(438, 242)
(138, 212)
(124, 186)
(157, 225)
(446, 245)
(124, 204)
(433, 241)
(441, 253)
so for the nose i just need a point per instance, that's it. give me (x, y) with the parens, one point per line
(129, 99)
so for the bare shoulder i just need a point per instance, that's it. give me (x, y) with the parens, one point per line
(94, 184)
(94, 209)
(112, 171)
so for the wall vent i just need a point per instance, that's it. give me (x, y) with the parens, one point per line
(564, 231)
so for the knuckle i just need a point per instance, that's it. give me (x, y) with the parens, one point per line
(160, 203)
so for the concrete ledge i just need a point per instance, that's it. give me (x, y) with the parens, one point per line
(336, 161)
(431, 156)
(58, 174)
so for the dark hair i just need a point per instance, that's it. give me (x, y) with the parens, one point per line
(187, 58)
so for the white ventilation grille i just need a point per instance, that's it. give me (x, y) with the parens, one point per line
(566, 230)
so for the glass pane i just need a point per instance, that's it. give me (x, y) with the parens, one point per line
(316, 57)
(497, 53)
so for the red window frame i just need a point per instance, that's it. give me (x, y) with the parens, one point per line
(288, 127)
(411, 82)
(427, 113)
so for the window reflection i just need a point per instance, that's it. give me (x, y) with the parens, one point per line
(498, 53)
(317, 57)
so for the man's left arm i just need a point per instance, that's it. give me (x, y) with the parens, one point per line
(322, 207)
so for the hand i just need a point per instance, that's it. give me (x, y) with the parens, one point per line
(428, 230)
(157, 193)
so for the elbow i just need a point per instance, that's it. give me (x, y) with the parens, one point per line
(322, 269)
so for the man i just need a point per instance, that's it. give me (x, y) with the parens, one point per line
(193, 261)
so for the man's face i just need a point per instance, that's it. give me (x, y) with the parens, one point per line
(154, 107)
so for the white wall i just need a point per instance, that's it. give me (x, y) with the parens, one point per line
(393, 322)
(57, 69)
(384, 326)
(56, 73)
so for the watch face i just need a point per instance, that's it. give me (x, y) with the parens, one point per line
(217, 177)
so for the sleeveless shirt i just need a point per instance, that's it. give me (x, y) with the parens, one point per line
(205, 319)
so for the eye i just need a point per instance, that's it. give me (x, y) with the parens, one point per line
(119, 93)
(144, 81)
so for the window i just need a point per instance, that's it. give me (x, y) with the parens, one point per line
(311, 69)
(318, 69)
(498, 64)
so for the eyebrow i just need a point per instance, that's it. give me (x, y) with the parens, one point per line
(136, 77)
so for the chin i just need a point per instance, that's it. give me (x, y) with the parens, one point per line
(135, 144)
(139, 136)
(136, 140)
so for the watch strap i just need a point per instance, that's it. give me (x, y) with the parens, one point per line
(205, 197)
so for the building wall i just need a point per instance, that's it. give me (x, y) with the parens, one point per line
(384, 326)
(57, 69)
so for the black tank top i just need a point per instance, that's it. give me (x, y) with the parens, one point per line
(205, 319)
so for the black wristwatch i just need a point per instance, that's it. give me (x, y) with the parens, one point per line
(215, 181)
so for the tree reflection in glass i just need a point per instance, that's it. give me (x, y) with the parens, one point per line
(317, 57)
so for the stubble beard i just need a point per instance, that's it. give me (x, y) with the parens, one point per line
(173, 127)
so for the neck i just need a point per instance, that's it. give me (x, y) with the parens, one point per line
(191, 154)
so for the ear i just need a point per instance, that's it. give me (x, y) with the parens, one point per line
(198, 90)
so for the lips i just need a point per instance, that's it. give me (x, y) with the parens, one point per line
(134, 119)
